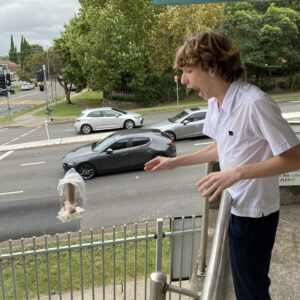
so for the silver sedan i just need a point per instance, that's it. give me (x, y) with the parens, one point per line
(186, 124)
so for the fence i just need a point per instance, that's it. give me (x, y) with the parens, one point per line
(108, 260)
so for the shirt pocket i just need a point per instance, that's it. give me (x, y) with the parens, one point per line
(233, 143)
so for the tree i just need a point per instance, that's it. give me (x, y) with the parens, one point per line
(13, 56)
(267, 35)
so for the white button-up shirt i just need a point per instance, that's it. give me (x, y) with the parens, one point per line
(249, 128)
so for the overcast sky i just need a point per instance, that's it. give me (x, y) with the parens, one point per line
(38, 21)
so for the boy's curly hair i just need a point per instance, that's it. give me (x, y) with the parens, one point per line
(211, 50)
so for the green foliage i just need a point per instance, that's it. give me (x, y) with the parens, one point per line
(268, 34)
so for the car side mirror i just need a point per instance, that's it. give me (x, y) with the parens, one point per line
(109, 151)
(185, 122)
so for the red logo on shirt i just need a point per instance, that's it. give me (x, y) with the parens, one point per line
(230, 132)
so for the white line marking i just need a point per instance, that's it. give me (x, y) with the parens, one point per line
(3, 129)
(6, 154)
(199, 144)
(35, 163)
(24, 134)
(69, 130)
(4, 144)
(9, 193)
(15, 139)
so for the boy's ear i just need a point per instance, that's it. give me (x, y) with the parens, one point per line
(212, 72)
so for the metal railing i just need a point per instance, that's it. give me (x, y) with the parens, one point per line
(213, 283)
(114, 264)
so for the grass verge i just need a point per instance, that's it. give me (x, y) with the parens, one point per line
(81, 267)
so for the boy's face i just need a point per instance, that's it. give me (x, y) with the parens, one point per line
(196, 78)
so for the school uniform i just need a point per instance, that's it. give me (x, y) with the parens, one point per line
(249, 128)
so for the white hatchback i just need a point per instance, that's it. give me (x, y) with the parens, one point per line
(106, 118)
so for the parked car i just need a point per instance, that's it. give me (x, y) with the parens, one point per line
(106, 118)
(27, 86)
(121, 151)
(3, 92)
(186, 124)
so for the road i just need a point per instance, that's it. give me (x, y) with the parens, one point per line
(25, 99)
(30, 202)
(29, 199)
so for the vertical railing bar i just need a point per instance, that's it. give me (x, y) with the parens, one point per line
(70, 265)
(103, 264)
(47, 267)
(159, 234)
(146, 260)
(193, 235)
(135, 259)
(36, 269)
(125, 270)
(2, 278)
(114, 262)
(13, 269)
(24, 269)
(171, 254)
(92, 262)
(81, 266)
(58, 266)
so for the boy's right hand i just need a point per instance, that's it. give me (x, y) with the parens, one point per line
(159, 163)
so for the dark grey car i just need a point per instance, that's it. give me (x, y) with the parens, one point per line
(123, 150)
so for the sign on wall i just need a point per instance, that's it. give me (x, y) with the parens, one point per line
(290, 179)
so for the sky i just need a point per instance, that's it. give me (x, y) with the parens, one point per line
(39, 21)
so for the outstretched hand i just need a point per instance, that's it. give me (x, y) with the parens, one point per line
(159, 163)
(214, 183)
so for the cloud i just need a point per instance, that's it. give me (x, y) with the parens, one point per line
(38, 21)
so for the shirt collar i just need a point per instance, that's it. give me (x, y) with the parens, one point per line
(230, 96)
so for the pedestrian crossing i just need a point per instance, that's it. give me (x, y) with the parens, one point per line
(23, 102)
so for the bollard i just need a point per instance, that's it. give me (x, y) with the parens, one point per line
(158, 283)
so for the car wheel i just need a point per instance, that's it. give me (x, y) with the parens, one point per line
(172, 135)
(86, 171)
(86, 129)
(129, 124)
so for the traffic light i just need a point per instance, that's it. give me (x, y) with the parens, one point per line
(42, 87)
(8, 81)
(39, 75)
(2, 81)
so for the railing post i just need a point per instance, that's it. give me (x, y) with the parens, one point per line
(159, 237)
(158, 282)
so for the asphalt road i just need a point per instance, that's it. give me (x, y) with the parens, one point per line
(30, 202)
(25, 99)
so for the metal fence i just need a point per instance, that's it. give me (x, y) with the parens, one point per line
(110, 264)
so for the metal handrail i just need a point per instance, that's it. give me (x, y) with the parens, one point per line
(218, 258)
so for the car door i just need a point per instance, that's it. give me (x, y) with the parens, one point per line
(192, 125)
(94, 119)
(115, 157)
(111, 119)
(139, 152)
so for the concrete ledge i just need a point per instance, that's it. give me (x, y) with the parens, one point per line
(55, 142)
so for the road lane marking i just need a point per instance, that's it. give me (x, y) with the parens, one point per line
(199, 144)
(10, 193)
(15, 139)
(24, 134)
(6, 154)
(3, 129)
(69, 130)
(34, 163)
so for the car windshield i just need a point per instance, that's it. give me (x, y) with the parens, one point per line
(102, 145)
(178, 116)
